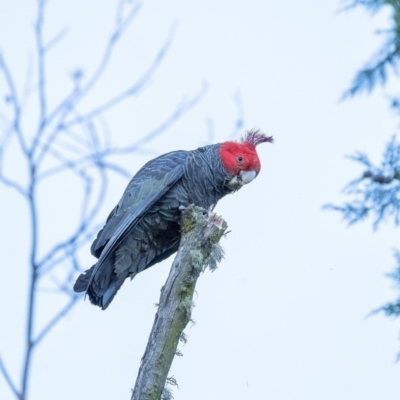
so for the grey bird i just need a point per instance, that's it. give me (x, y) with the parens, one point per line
(144, 227)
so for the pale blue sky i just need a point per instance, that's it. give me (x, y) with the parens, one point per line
(284, 316)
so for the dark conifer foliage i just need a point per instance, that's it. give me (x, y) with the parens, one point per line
(375, 194)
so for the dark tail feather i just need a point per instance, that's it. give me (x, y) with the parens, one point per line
(103, 282)
(108, 296)
(81, 284)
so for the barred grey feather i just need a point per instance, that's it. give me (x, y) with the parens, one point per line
(143, 229)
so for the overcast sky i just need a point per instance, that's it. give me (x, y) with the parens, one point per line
(284, 316)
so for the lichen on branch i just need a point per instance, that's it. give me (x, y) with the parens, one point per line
(199, 248)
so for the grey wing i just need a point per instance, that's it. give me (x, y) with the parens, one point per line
(146, 188)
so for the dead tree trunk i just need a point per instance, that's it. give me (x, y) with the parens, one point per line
(199, 248)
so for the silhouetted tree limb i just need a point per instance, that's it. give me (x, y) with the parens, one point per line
(65, 140)
(199, 248)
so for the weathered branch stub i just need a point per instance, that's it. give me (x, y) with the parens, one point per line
(199, 248)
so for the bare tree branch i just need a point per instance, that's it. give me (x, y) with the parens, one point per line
(83, 226)
(132, 90)
(78, 94)
(13, 98)
(13, 184)
(66, 140)
(56, 319)
(199, 248)
(51, 43)
(8, 379)
(182, 109)
(52, 260)
(40, 51)
(179, 112)
(118, 169)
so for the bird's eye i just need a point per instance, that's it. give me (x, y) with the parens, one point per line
(240, 159)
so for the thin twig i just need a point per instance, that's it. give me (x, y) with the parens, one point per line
(14, 100)
(13, 184)
(83, 226)
(77, 95)
(70, 102)
(56, 39)
(40, 50)
(52, 261)
(179, 112)
(8, 379)
(56, 319)
(182, 109)
(132, 90)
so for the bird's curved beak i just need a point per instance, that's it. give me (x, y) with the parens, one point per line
(241, 179)
(247, 176)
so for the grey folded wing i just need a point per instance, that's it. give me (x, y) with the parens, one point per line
(152, 181)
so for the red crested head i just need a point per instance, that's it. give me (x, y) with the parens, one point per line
(243, 156)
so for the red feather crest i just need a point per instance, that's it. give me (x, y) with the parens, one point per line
(255, 137)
